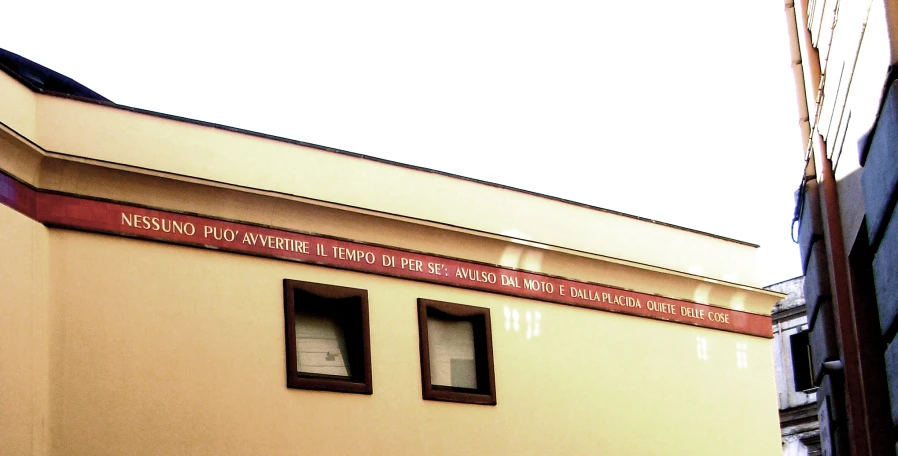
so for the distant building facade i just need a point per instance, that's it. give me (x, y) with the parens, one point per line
(796, 393)
(843, 60)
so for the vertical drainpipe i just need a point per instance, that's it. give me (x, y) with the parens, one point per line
(846, 325)
(813, 65)
(804, 120)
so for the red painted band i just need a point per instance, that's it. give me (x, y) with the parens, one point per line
(121, 219)
(18, 196)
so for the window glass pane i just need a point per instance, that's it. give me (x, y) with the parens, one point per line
(802, 372)
(320, 345)
(452, 353)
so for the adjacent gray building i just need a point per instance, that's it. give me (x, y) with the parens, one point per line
(797, 396)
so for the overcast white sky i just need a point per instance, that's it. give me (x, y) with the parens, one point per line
(680, 111)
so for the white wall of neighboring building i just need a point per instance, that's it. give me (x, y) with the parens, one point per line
(797, 427)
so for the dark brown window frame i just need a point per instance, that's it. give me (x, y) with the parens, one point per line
(483, 352)
(360, 382)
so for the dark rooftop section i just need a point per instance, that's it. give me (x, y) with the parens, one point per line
(42, 79)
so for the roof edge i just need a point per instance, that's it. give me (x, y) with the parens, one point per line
(102, 101)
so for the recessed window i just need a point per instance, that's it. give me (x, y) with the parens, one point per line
(802, 372)
(327, 337)
(456, 353)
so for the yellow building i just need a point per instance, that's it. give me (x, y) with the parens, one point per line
(176, 287)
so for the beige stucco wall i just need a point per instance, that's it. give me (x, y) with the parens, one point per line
(152, 144)
(161, 350)
(18, 108)
(68, 176)
(24, 400)
(117, 346)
